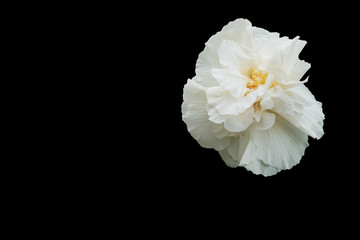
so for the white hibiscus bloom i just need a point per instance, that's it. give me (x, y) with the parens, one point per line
(247, 101)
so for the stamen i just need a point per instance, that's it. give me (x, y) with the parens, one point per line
(258, 78)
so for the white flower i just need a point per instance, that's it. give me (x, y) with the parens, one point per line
(247, 101)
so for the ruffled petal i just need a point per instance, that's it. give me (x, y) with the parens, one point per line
(286, 58)
(266, 102)
(291, 54)
(267, 47)
(214, 114)
(238, 31)
(301, 94)
(222, 101)
(266, 122)
(259, 167)
(196, 117)
(231, 106)
(207, 60)
(221, 132)
(229, 161)
(299, 69)
(235, 56)
(283, 103)
(269, 80)
(239, 123)
(281, 146)
(227, 104)
(241, 152)
(311, 119)
(231, 80)
(252, 163)
(234, 152)
(286, 80)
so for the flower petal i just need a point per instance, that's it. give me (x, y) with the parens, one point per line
(235, 56)
(223, 103)
(221, 132)
(301, 94)
(283, 103)
(266, 122)
(281, 146)
(252, 163)
(240, 152)
(214, 114)
(231, 80)
(207, 60)
(259, 167)
(299, 69)
(229, 161)
(286, 58)
(311, 120)
(238, 31)
(226, 104)
(269, 80)
(240, 122)
(266, 102)
(235, 150)
(291, 54)
(267, 47)
(196, 117)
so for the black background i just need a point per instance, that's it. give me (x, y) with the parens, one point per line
(123, 155)
(116, 149)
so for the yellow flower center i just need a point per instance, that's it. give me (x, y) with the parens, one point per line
(257, 78)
